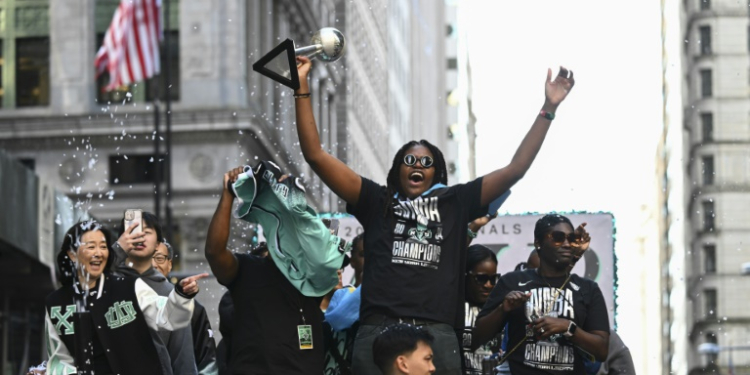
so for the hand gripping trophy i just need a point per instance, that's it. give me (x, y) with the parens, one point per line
(280, 64)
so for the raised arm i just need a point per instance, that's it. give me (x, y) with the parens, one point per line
(335, 174)
(223, 263)
(497, 182)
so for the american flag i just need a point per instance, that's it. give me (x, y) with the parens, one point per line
(131, 45)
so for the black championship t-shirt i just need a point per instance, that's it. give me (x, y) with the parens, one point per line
(473, 359)
(266, 317)
(415, 256)
(581, 301)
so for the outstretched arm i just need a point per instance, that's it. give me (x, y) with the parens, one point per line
(223, 263)
(337, 176)
(499, 181)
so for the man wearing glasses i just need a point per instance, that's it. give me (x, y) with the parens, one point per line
(204, 347)
(162, 259)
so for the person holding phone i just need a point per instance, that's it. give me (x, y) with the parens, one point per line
(123, 310)
(133, 255)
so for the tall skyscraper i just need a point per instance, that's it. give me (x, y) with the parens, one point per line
(716, 162)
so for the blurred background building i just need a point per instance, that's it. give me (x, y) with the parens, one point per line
(715, 159)
(92, 151)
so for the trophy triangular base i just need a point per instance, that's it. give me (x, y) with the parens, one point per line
(280, 65)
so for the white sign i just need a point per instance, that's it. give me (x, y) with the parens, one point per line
(511, 237)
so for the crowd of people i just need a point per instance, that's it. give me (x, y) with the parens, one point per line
(424, 300)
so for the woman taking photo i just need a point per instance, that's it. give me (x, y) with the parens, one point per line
(120, 310)
(416, 226)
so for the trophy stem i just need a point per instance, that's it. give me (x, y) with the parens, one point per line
(309, 51)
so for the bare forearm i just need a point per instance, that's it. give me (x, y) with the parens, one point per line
(532, 143)
(307, 129)
(499, 181)
(221, 260)
(593, 343)
(487, 327)
(334, 173)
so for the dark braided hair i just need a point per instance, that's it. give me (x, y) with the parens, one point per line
(548, 221)
(393, 182)
(477, 254)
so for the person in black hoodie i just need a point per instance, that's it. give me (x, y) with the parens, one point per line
(204, 346)
(133, 253)
(121, 310)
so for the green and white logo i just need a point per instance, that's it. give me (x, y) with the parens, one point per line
(120, 314)
(63, 320)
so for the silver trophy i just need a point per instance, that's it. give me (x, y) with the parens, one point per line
(327, 44)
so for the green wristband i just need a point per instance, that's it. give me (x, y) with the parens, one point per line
(548, 115)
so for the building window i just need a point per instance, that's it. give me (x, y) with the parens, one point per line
(706, 83)
(704, 4)
(708, 216)
(28, 163)
(707, 126)
(452, 63)
(705, 39)
(132, 169)
(32, 72)
(709, 259)
(708, 170)
(24, 44)
(174, 71)
(710, 299)
(712, 339)
(2, 62)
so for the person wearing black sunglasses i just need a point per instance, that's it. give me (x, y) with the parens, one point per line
(564, 314)
(481, 277)
(416, 225)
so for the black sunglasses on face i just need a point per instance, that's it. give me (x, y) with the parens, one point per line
(558, 238)
(483, 278)
(410, 160)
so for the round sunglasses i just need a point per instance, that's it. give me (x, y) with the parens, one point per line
(410, 160)
(558, 238)
(483, 278)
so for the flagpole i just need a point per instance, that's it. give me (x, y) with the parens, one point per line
(168, 104)
(157, 157)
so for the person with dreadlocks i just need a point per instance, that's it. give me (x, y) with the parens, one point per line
(121, 310)
(554, 318)
(417, 226)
